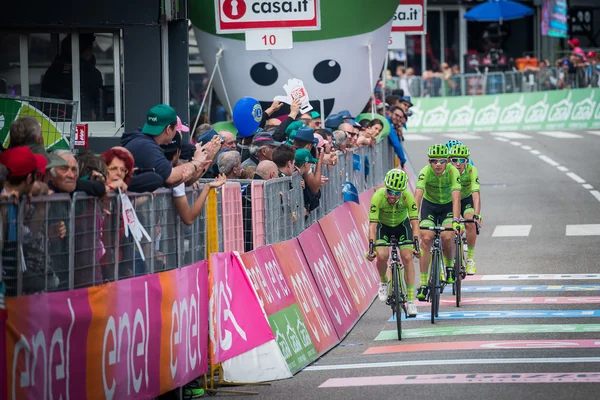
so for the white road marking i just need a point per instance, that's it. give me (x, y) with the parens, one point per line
(583, 230)
(468, 361)
(576, 177)
(596, 194)
(511, 135)
(415, 137)
(511, 230)
(559, 134)
(536, 152)
(549, 160)
(587, 186)
(563, 169)
(502, 139)
(593, 132)
(461, 136)
(526, 147)
(542, 277)
(515, 143)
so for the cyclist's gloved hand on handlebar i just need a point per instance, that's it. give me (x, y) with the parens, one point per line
(478, 218)
(457, 226)
(370, 256)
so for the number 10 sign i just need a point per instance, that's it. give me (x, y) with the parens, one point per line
(269, 39)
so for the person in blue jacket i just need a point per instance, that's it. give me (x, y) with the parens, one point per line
(398, 116)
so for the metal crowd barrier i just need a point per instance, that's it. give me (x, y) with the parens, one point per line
(490, 83)
(58, 242)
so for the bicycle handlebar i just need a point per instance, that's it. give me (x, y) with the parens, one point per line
(472, 221)
(414, 242)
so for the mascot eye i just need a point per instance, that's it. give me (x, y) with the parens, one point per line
(264, 74)
(327, 71)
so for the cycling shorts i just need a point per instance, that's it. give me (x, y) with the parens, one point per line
(466, 206)
(433, 214)
(401, 232)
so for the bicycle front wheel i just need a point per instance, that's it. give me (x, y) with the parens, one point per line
(434, 285)
(458, 263)
(397, 305)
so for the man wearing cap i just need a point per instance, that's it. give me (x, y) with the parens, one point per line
(345, 114)
(261, 149)
(304, 161)
(574, 44)
(24, 168)
(305, 140)
(396, 119)
(160, 128)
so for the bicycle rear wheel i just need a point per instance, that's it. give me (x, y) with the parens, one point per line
(458, 261)
(434, 286)
(397, 305)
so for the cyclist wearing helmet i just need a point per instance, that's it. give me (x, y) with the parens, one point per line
(438, 196)
(454, 142)
(470, 204)
(394, 212)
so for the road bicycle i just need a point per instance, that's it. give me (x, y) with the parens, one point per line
(460, 261)
(397, 298)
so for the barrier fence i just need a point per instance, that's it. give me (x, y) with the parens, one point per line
(476, 84)
(191, 300)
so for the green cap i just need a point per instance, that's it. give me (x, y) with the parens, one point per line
(303, 156)
(158, 118)
(314, 114)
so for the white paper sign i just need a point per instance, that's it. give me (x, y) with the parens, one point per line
(132, 223)
(295, 89)
(269, 39)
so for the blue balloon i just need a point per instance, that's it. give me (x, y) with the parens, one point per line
(247, 115)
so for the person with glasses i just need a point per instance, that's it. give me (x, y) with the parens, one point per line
(454, 142)
(394, 212)
(437, 195)
(396, 119)
(470, 203)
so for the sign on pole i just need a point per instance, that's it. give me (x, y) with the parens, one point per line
(236, 16)
(81, 136)
(410, 17)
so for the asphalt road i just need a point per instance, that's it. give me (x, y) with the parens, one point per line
(518, 334)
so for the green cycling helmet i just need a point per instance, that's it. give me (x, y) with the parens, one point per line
(396, 180)
(459, 150)
(438, 151)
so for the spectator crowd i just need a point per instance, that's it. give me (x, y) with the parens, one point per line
(162, 154)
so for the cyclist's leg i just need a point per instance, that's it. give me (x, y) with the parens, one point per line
(382, 261)
(468, 212)
(448, 237)
(403, 233)
(428, 218)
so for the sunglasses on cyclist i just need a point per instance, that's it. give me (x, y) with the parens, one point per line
(438, 161)
(394, 192)
(459, 160)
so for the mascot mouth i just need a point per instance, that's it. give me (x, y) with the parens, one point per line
(316, 105)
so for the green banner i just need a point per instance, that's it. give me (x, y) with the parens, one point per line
(551, 110)
(489, 330)
(292, 337)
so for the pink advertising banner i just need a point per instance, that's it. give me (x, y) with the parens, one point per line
(267, 277)
(365, 199)
(310, 301)
(334, 291)
(109, 341)
(236, 315)
(347, 244)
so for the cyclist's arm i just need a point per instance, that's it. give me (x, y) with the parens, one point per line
(373, 218)
(476, 203)
(456, 203)
(475, 189)
(418, 197)
(373, 232)
(414, 224)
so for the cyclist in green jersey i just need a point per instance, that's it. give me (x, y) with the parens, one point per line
(470, 203)
(438, 197)
(394, 212)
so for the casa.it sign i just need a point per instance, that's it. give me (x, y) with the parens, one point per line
(410, 17)
(234, 16)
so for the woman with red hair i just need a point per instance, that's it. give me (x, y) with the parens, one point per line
(119, 163)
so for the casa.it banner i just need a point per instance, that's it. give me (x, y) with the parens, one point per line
(135, 338)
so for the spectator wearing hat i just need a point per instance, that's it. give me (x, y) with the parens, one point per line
(305, 161)
(278, 130)
(160, 128)
(261, 149)
(305, 140)
(574, 44)
(23, 169)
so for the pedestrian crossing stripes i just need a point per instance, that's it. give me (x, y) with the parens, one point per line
(583, 230)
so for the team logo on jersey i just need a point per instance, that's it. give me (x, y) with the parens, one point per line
(373, 209)
(421, 177)
(414, 206)
(477, 179)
